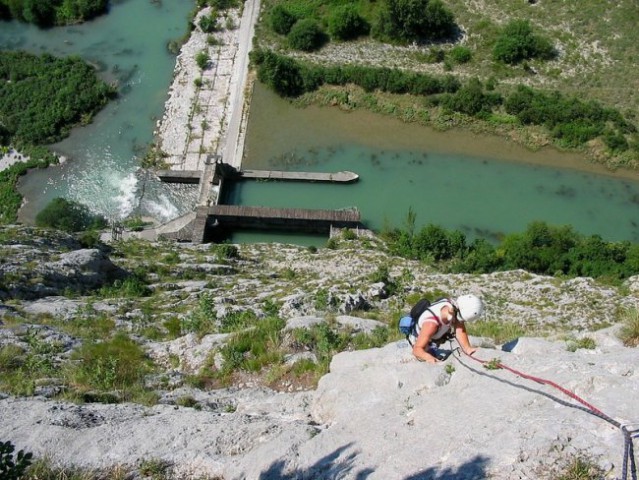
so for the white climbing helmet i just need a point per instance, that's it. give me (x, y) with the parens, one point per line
(469, 307)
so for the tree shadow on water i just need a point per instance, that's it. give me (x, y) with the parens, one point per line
(473, 469)
(339, 465)
(329, 467)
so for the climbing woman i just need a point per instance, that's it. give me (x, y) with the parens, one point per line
(443, 320)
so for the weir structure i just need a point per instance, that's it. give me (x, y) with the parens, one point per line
(213, 172)
(212, 215)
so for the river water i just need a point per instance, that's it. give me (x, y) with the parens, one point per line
(483, 185)
(129, 46)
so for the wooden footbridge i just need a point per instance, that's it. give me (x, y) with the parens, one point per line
(227, 217)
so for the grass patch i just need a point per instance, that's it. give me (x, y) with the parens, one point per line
(586, 343)
(254, 349)
(21, 368)
(116, 365)
(133, 286)
(500, 332)
(629, 333)
(577, 467)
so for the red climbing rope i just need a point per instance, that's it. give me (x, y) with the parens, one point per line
(544, 382)
(629, 456)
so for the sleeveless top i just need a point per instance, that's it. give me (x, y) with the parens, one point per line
(427, 317)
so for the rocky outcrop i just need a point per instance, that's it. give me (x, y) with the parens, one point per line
(378, 413)
(42, 265)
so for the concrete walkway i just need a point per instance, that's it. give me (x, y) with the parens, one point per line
(205, 115)
(206, 109)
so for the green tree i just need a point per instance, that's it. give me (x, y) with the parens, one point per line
(409, 20)
(306, 35)
(282, 74)
(69, 216)
(517, 42)
(281, 20)
(345, 23)
(471, 99)
(38, 12)
(540, 249)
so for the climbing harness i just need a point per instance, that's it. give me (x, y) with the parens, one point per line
(628, 435)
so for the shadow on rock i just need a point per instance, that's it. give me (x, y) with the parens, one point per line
(336, 465)
(328, 467)
(474, 469)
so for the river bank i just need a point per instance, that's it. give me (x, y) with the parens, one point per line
(10, 158)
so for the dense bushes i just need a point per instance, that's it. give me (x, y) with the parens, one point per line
(471, 99)
(306, 35)
(396, 21)
(46, 13)
(290, 78)
(69, 216)
(541, 249)
(517, 42)
(42, 97)
(281, 20)
(345, 23)
(410, 20)
(570, 119)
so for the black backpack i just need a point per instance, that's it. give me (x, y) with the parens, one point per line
(408, 322)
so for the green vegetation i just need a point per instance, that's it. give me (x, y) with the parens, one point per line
(259, 347)
(20, 369)
(134, 286)
(571, 121)
(629, 333)
(69, 216)
(582, 76)
(202, 59)
(218, 4)
(306, 35)
(410, 20)
(499, 331)
(517, 43)
(586, 343)
(541, 249)
(13, 468)
(578, 467)
(46, 13)
(460, 54)
(42, 97)
(10, 198)
(115, 365)
(208, 23)
(291, 78)
(345, 23)
(281, 20)
(325, 341)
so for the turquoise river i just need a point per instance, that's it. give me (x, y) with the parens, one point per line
(482, 185)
